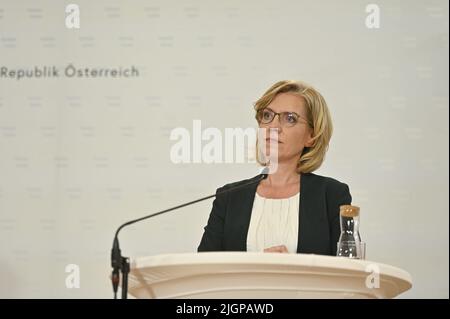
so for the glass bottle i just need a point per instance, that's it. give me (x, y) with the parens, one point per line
(349, 244)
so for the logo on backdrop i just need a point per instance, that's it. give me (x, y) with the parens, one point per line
(68, 71)
(73, 16)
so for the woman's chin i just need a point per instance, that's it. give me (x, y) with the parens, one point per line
(276, 155)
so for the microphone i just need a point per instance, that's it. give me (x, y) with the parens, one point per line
(120, 263)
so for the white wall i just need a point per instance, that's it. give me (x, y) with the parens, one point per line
(78, 156)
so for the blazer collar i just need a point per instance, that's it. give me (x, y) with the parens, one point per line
(304, 210)
(246, 198)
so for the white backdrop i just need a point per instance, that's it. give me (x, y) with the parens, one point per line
(78, 156)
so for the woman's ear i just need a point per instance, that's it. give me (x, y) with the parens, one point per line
(309, 139)
(309, 143)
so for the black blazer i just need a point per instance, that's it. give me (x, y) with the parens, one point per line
(319, 228)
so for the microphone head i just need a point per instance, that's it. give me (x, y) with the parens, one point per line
(264, 173)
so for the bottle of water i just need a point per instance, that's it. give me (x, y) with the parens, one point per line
(350, 244)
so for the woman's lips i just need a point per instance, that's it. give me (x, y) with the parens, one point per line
(272, 140)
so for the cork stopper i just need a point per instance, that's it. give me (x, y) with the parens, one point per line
(349, 211)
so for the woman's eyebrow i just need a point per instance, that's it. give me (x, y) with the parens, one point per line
(282, 111)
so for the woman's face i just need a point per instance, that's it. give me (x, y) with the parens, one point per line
(290, 138)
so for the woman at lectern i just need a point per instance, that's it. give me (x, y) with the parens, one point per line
(292, 210)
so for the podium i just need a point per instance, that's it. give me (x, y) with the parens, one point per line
(248, 275)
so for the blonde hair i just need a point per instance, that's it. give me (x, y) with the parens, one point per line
(317, 116)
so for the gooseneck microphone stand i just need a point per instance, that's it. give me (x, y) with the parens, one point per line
(122, 264)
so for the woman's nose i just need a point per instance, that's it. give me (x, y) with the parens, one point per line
(273, 131)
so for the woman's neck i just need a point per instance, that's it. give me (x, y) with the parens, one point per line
(285, 174)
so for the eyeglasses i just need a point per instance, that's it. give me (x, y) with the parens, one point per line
(287, 119)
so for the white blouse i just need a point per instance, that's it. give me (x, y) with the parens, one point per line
(274, 222)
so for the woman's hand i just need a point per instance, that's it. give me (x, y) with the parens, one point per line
(276, 249)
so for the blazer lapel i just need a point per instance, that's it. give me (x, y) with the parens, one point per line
(304, 218)
(244, 200)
